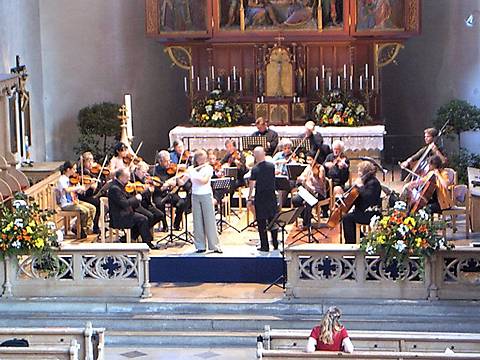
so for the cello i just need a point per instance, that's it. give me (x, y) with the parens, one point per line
(423, 194)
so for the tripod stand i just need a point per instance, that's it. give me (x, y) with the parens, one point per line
(171, 236)
(222, 185)
(282, 219)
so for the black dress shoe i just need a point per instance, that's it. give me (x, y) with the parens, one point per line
(152, 246)
(218, 251)
(263, 249)
(200, 251)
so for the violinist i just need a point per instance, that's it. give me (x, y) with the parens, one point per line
(117, 161)
(271, 136)
(91, 186)
(312, 179)
(178, 154)
(147, 206)
(337, 167)
(121, 207)
(235, 158)
(68, 197)
(440, 199)
(283, 157)
(163, 194)
(217, 173)
(430, 136)
(316, 141)
(367, 204)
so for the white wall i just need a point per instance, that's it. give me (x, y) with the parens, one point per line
(20, 35)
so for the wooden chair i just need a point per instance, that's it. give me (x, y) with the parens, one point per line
(111, 231)
(329, 200)
(461, 199)
(66, 216)
(361, 229)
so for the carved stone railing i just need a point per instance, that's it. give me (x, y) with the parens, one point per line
(90, 270)
(327, 270)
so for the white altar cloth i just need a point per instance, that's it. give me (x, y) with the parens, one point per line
(355, 138)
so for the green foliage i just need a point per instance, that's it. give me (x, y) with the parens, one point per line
(340, 109)
(99, 125)
(462, 116)
(218, 109)
(459, 162)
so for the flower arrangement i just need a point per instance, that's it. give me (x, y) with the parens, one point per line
(218, 109)
(339, 109)
(399, 235)
(25, 229)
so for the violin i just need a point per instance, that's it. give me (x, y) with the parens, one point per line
(136, 186)
(74, 179)
(153, 180)
(217, 166)
(127, 159)
(235, 156)
(185, 156)
(96, 168)
(172, 169)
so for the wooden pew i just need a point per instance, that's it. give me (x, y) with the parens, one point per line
(41, 352)
(277, 339)
(91, 341)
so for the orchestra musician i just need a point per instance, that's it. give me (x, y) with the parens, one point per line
(430, 136)
(283, 157)
(313, 180)
(316, 141)
(178, 152)
(90, 189)
(337, 167)
(234, 158)
(265, 202)
(440, 199)
(163, 195)
(147, 207)
(68, 197)
(121, 207)
(118, 160)
(271, 135)
(366, 204)
(204, 223)
(217, 173)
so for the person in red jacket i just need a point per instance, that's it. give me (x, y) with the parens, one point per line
(330, 335)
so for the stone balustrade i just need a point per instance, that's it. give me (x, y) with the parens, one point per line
(42, 352)
(343, 271)
(86, 270)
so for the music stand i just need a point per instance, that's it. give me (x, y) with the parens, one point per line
(232, 172)
(282, 184)
(171, 236)
(295, 170)
(311, 201)
(282, 219)
(251, 142)
(224, 185)
(305, 147)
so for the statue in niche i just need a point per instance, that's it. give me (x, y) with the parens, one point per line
(233, 13)
(177, 15)
(380, 14)
(299, 13)
(279, 73)
(332, 13)
(260, 13)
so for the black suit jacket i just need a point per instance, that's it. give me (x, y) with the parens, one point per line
(369, 195)
(120, 206)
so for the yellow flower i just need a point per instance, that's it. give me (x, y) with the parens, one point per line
(381, 239)
(384, 221)
(350, 121)
(29, 230)
(418, 242)
(410, 222)
(39, 243)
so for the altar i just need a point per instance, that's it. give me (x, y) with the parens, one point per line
(355, 138)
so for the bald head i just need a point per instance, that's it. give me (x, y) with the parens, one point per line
(259, 154)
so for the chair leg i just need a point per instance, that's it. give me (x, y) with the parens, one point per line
(128, 233)
(79, 226)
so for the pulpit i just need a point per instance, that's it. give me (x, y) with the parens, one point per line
(282, 56)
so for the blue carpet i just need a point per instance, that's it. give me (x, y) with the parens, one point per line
(215, 269)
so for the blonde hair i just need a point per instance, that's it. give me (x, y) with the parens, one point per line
(199, 154)
(330, 324)
(366, 167)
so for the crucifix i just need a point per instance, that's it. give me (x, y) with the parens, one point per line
(23, 107)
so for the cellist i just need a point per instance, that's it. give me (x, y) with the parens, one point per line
(369, 190)
(430, 136)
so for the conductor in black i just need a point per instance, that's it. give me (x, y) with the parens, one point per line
(263, 180)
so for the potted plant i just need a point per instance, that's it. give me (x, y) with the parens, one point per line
(218, 109)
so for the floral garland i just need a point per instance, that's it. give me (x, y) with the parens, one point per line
(339, 109)
(25, 229)
(218, 109)
(398, 235)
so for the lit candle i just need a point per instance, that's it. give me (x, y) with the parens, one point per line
(240, 83)
(128, 106)
(338, 81)
(191, 71)
(361, 82)
(316, 83)
(323, 71)
(263, 99)
(234, 74)
(258, 99)
(329, 83)
(351, 82)
(185, 83)
(351, 69)
(218, 82)
(213, 72)
(366, 71)
(228, 83)
(373, 82)
(198, 83)
(344, 71)
(206, 83)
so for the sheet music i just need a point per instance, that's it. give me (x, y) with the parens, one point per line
(473, 175)
(307, 196)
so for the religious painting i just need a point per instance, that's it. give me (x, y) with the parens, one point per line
(182, 16)
(279, 73)
(380, 15)
(332, 14)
